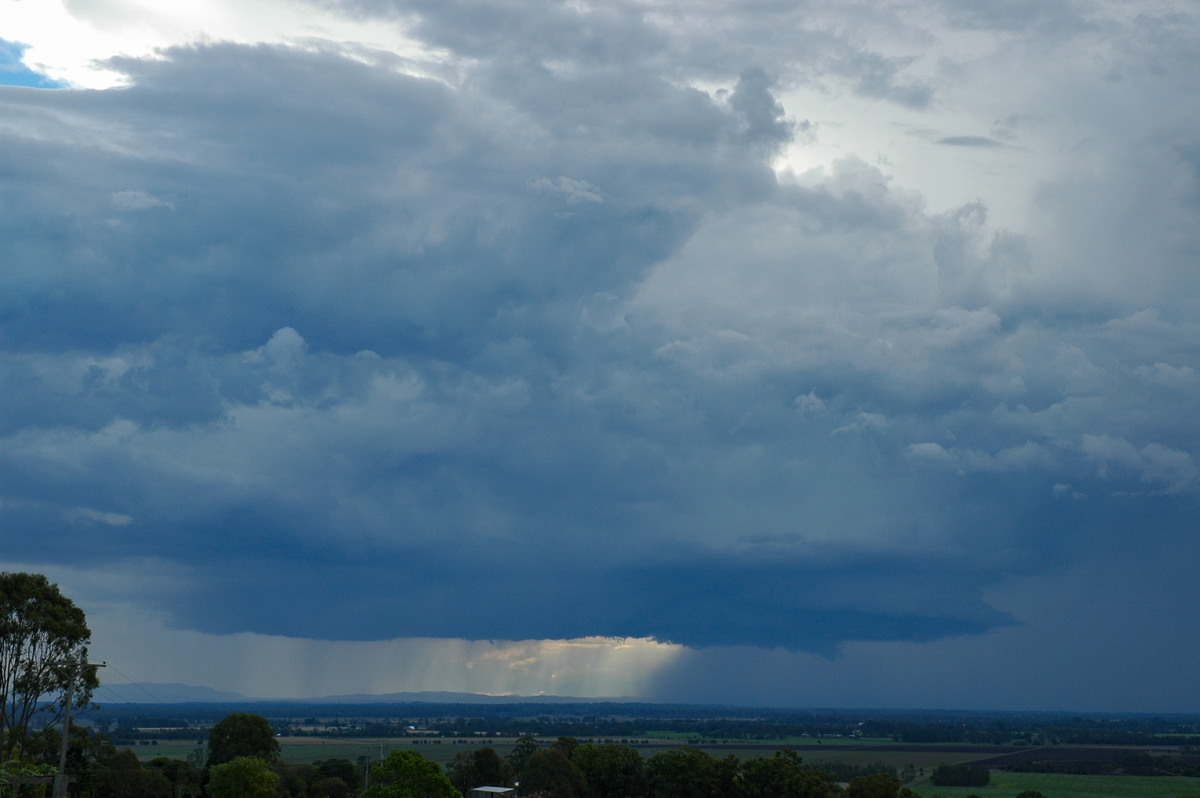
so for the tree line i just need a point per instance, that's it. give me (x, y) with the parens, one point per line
(620, 722)
(570, 769)
(243, 761)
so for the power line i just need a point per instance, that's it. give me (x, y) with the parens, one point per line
(138, 686)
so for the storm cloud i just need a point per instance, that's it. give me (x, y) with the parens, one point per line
(352, 343)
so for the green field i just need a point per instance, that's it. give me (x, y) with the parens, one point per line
(305, 750)
(172, 749)
(1056, 785)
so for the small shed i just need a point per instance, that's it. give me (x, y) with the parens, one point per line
(493, 792)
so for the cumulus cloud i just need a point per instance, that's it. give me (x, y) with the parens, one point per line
(1153, 463)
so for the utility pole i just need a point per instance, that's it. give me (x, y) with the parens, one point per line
(60, 780)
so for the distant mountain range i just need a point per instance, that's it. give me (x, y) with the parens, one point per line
(155, 692)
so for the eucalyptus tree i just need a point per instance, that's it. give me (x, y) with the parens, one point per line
(242, 734)
(43, 659)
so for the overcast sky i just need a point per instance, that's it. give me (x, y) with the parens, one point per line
(802, 353)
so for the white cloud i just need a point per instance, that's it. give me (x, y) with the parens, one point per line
(71, 39)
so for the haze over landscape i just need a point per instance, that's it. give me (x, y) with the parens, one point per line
(798, 353)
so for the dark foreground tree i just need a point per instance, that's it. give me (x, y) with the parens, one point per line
(877, 785)
(337, 768)
(43, 657)
(783, 774)
(690, 773)
(481, 767)
(407, 774)
(960, 776)
(519, 755)
(329, 787)
(551, 773)
(185, 779)
(88, 758)
(242, 734)
(124, 777)
(611, 771)
(295, 781)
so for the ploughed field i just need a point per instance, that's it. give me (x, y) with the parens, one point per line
(1061, 785)
(1087, 760)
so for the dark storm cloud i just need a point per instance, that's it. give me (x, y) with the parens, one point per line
(1052, 17)
(707, 601)
(392, 185)
(762, 115)
(351, 348)
(622, 39)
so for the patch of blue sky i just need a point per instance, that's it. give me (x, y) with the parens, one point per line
(13, 72)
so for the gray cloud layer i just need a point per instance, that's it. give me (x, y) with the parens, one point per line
(358, 349)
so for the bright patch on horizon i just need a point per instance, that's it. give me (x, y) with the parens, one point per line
(145, 647)
(275, 667)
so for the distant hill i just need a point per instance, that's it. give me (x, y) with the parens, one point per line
(158, 693)
(155, 693)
